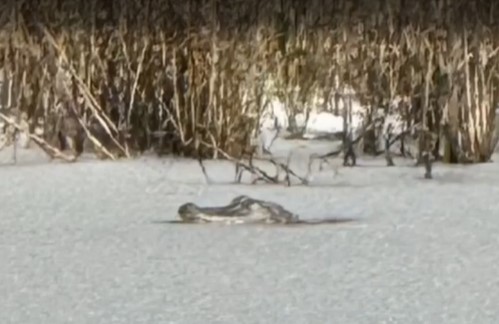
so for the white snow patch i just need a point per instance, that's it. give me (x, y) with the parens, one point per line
(328, 123)
(274, 115)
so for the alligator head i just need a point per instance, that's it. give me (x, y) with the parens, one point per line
(241, 209)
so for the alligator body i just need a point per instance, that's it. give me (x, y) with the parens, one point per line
(240, 210)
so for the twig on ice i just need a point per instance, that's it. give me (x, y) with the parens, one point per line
(289, 172)
(257, 173)
(203, 168)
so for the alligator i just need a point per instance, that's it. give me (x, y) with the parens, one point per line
(240, 210)
(246, 210)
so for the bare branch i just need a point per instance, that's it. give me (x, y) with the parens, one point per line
(51, 151)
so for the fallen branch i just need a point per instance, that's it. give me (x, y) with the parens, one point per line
(388, 143)
(95, 141)
(348, 152)
(257, 173)
(347, 148)
(289, 171)
(51, 151)
(323, 158)
(201, 164)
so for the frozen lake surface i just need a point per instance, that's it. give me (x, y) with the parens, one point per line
(84, 243)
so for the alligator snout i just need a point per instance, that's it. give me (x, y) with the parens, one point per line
(189, 212)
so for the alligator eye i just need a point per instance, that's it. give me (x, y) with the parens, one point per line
(240, 199)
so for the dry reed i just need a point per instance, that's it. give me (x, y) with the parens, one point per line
(171, 75)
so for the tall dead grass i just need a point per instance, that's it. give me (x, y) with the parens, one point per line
(171, 75)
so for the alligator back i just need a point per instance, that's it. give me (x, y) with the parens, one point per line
(241, 209)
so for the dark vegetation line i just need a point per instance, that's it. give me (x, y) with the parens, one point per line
(122, 77)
